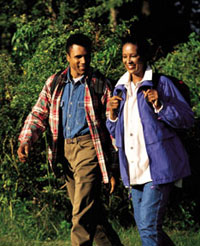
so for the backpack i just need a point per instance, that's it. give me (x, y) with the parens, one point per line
(180, 85)
(183, 134)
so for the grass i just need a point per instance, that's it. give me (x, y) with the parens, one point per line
(180, 238)
(21, 227)
(128, 237)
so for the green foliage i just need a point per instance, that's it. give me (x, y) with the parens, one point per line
(26, 221)
(184, 63)
(38, 50)
(7, 73)
(29, 33)
(104, 6)
(183, 219)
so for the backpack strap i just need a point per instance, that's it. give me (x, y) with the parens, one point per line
(55, 81)
(97, 82)
(155, 79)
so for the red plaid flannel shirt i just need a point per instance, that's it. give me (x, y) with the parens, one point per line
(45, 114)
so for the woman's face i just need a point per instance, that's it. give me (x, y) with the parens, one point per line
(132, 60)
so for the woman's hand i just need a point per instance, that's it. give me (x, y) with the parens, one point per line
(113, 105)
(152, 96)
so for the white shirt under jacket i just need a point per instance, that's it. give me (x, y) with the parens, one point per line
(135, 149)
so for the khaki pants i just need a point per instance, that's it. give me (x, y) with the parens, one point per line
(83, 184)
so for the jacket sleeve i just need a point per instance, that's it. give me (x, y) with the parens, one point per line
(111, 125)
(36, 122)
(176, 112)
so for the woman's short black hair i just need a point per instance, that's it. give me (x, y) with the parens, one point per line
(79, 39)
(143, 46)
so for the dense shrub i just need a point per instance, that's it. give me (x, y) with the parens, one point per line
(183, 63)
(38, 51)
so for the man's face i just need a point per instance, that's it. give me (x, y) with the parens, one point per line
(132, 60)
(79, 60)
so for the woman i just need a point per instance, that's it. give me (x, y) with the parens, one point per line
(152, 157)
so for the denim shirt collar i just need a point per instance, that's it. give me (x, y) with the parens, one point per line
(69, 78)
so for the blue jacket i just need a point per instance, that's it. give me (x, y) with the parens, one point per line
(168, 159)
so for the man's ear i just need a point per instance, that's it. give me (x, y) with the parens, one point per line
(68, 57)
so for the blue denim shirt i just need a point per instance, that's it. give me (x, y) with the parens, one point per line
(73, 110)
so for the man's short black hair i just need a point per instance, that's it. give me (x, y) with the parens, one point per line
(143, 46)
(79, 39)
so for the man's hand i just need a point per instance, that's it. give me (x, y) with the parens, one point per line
(23, 152)
(113, 105)
(152, 97)
(112, 184)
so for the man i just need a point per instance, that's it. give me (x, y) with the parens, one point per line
(74, 113)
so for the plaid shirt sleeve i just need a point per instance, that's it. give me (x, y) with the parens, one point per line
(36, 122)
(96, 120)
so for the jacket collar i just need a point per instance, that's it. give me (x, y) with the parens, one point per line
(146, 81)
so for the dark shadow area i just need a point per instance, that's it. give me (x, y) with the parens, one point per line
(166, 23)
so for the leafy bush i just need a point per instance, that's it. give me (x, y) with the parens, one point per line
(38, 52)
(184, 63)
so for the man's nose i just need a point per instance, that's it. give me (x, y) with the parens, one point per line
(83, 59)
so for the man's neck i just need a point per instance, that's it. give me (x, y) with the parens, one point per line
(78, 78)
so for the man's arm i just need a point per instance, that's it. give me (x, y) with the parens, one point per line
(36, 122)
(113, 168)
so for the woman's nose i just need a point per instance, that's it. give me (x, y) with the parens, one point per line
(129, 60)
